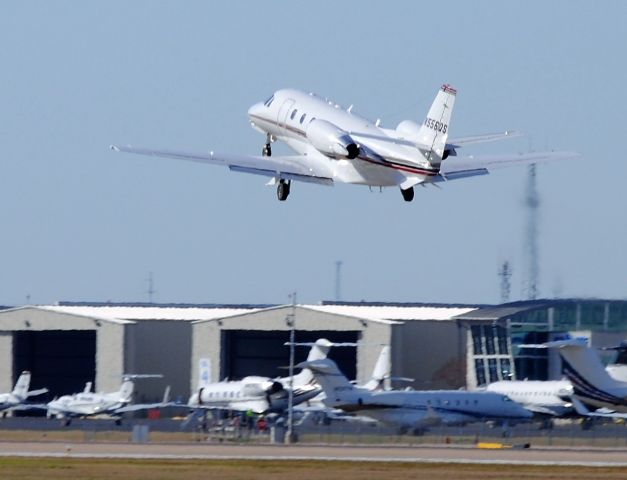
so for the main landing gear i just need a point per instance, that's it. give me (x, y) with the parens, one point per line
(283, 190)
(408, 194)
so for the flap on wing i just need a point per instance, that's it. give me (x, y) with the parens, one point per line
(284, 175)
(289, 167)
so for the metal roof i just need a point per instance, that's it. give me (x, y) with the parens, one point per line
(506, 310)
(396, 312)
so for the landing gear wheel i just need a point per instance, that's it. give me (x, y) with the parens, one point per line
(283, 190)
(67, 422)
(118, 421)
(408, 194)
(267, 150)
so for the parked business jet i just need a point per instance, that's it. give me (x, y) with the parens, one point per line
(17, 398)
(88, 403)
(257, 394)
(551, 398)
(334, 144)
(592, 384)
(413, 409)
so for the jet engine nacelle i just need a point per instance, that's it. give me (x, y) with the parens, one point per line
(331, 140)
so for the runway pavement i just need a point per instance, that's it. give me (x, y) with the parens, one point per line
(544, 456)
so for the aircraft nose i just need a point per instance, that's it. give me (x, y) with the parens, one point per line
(255, 110)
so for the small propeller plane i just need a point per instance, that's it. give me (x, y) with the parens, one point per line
(334, 144)
(16, 399)
(88, 403)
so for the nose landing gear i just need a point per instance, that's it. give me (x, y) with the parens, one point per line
(267, 148)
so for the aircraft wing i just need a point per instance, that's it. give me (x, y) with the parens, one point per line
(454, 168)
(289, 167)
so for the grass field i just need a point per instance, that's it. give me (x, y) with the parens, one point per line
(96, 469)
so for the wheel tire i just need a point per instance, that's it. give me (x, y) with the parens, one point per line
(408, 194)
(282, 191)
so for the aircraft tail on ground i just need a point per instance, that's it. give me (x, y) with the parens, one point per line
(126, 390)
(333, 382)
(319, 350)
(584, 369)
(382, 370)
(433, 133)
(22, 385)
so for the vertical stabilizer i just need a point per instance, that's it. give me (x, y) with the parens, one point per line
(22, 385)
(335, 385)
(126, 390)
(382, 370)
(319, 351)
(433, 133)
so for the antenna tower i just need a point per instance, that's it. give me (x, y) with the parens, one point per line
(532, 203)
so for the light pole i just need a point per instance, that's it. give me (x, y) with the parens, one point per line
(290, 320)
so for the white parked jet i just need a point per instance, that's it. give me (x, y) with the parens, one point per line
(592, 384)
(412, 409)
(333, 144)
(17, 398)
(257, 394)
(552, 398)
(88, 403)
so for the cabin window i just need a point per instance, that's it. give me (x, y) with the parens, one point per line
(293, 114)
(302, 119)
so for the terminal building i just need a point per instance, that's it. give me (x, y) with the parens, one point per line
(437, 345)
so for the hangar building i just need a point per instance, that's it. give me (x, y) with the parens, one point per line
(438, 345)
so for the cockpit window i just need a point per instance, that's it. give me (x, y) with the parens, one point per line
(269, 101)
(302, 119)
(293, 114)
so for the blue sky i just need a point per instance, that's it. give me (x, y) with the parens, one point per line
(82, 223)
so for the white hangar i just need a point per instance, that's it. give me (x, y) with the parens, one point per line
(68, 344)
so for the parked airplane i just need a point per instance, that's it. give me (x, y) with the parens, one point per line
(550, 398)
(592, 384)
(257, 394)
(88, 403)
(333, 144)
(413, 409)
(17, 398)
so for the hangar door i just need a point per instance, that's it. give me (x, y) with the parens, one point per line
(254, 352)
(60, 360)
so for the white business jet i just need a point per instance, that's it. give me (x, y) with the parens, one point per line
(257, 394)
(334, 144)
(413, 410)
(548, 398)
(88, 403)
(16, 399)
(592, 384)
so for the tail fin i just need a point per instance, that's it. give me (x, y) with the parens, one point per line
(126, 390)
(22, 385)
(335, 385)
(319, 351)
(382, 370)
(434, 130)
(583, 362)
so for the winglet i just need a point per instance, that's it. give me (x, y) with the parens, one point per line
(448, 89)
